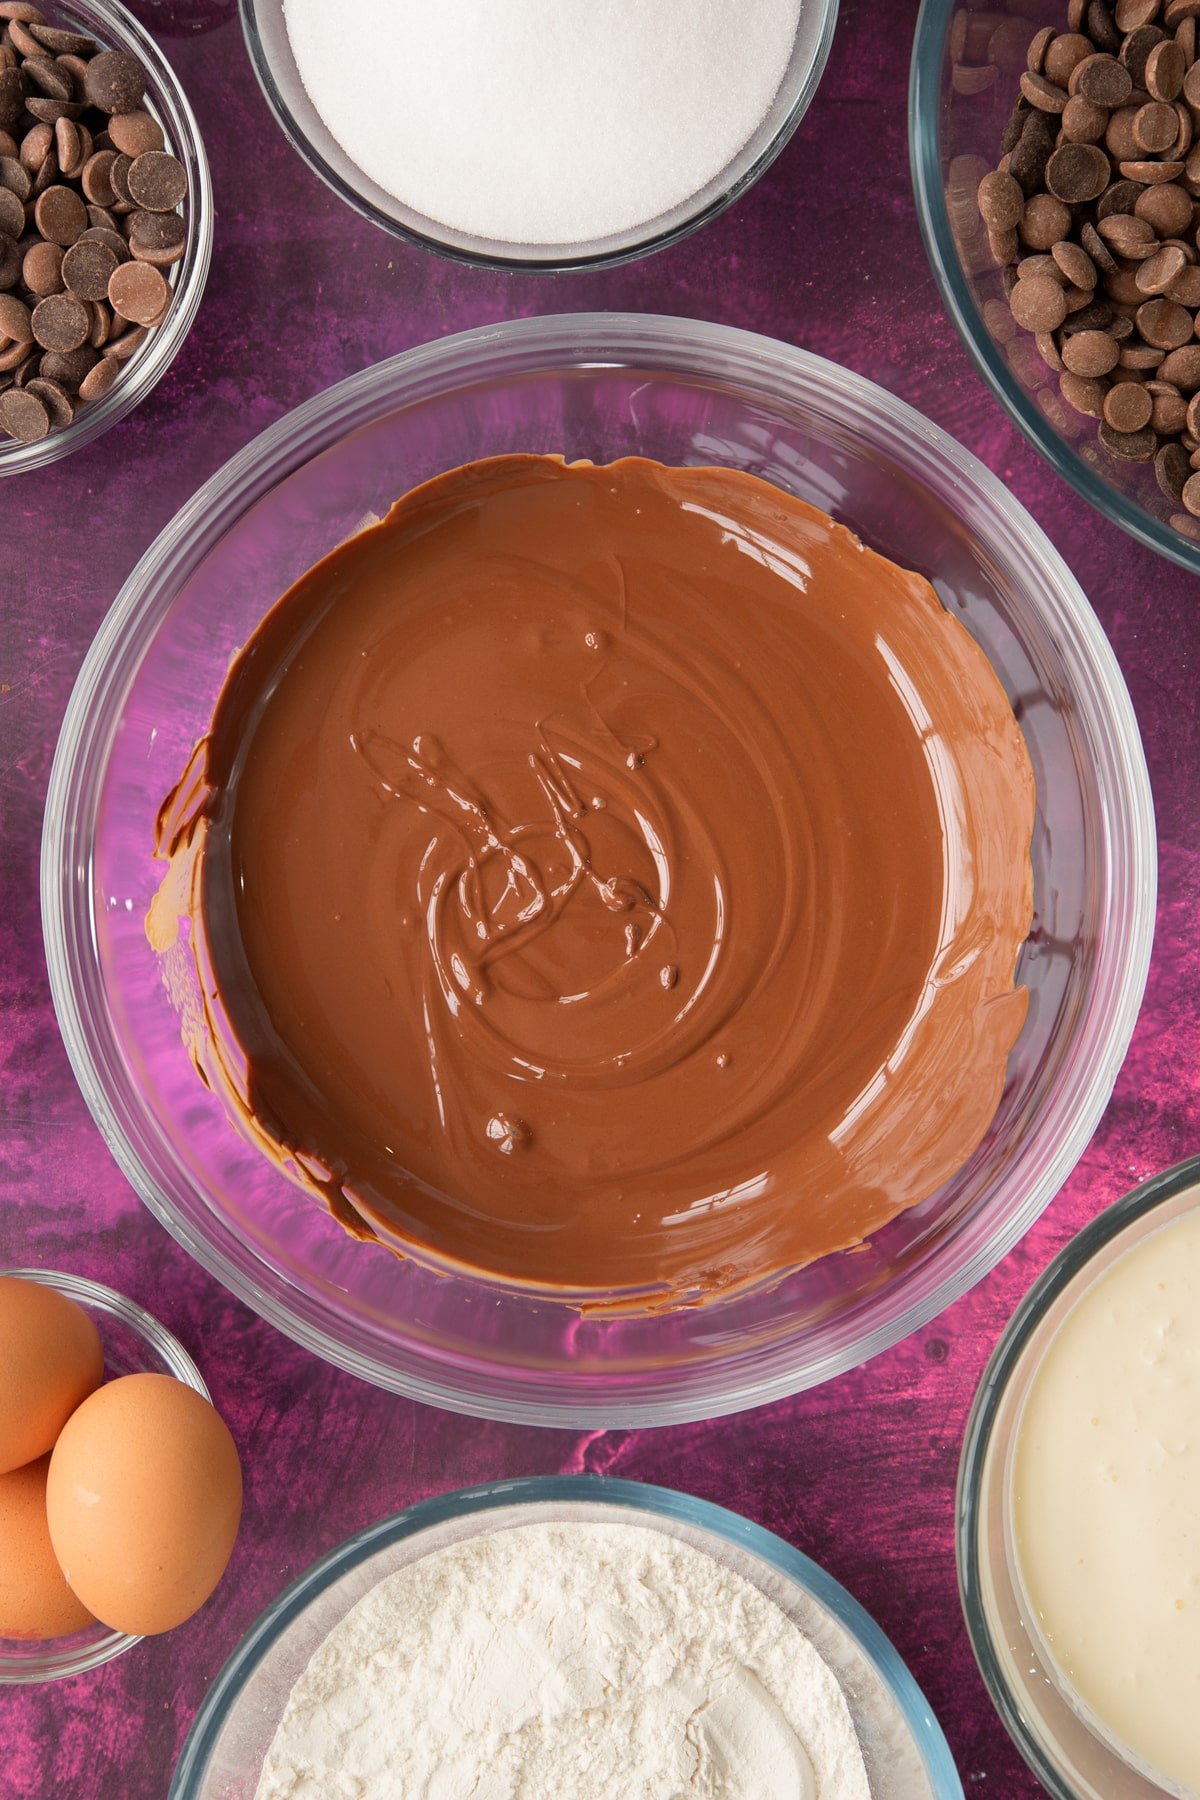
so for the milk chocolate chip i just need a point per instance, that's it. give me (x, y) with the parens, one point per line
(138, 293)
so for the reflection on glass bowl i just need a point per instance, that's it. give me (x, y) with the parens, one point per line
(599, 386)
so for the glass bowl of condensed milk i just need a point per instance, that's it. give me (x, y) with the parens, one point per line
(592, 388)
(1078, 1516)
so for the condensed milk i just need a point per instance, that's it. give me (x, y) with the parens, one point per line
(1106, 1500)
(607, 880)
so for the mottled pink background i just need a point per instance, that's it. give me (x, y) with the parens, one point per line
(860, 1474)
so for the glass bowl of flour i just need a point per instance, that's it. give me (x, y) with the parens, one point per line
(533, 135)
(568, 1635)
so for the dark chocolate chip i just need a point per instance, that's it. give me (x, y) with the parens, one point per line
(68, 366)
(1104, 80)
(115, 82)
(12, 97)
(158, 238)
(52, 110)
(1101, 27)
(1172, 469)
(15, 177)
(10, 261)
(45, 77)
(61, 322)
(54, 398)
(23, 416)
(86, 269)
(1136, 50)
(62, 43)
(157, 181)
(1129, 446)
(12, 214)
(1077, 172)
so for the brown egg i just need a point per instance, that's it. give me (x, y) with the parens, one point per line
(144, 1499)
(35, 1601)
(50, 1359)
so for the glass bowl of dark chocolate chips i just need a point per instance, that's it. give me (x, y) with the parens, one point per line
(105, 223)
(1056, 158)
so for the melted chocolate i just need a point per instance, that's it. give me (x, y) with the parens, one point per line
(608, 879)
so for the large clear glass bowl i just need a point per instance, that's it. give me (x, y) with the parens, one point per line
(599, 386)
(116, 29)
(954, 130)
(275, 66)
(906, 1755)
(1068, 1750)
(134, 1344)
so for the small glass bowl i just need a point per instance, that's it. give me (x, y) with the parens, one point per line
(1067, 1749)
(275, 66)
(134, 1344)
(954, 130)
(906, 1755)
(116, 29)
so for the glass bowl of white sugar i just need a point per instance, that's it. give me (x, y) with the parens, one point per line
(571, 1635)
(535, 135)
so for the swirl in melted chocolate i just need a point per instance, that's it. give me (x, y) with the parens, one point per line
(608, 879)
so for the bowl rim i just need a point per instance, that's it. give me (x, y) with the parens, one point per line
(50, 1664)
(583, 340)
(151, 363)
(550, 264)
(990, 1394)
(529, 1490)
(924, 90)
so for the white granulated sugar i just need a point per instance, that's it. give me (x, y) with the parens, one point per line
(542, 121)
(566, 1662)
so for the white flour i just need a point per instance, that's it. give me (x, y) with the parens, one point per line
(542, 121)
(565, 1662)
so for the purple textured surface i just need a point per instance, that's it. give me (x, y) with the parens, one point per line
(859, 1474)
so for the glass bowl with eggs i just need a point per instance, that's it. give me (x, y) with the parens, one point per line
(728, 419)
(53, 1363)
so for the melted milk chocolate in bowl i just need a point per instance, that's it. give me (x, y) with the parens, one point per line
(607, 879)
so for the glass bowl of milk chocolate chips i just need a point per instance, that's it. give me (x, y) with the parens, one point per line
(600, 871)
(105, 224)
